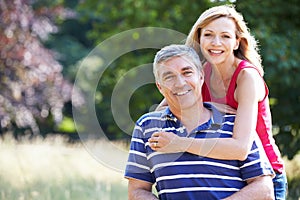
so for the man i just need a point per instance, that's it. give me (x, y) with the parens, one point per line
(182, 175)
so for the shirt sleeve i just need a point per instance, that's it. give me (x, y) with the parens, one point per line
(138, 165)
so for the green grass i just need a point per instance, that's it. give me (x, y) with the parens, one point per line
(51, 170)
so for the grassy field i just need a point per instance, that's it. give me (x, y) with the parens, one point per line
(51, 169)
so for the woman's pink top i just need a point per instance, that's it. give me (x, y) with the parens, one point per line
(264, 119)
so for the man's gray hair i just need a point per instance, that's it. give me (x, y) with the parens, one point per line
(175, 50)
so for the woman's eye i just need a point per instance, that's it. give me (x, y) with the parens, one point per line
(226, 36)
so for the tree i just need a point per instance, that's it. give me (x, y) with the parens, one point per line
(275, 25)
(108, 18)
(33, 91)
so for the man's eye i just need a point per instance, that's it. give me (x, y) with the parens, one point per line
(166, 78)
(187, 73)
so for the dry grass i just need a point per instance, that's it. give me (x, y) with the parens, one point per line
(293, 174)
(51, 169)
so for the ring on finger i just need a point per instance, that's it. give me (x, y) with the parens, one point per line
(155, 144)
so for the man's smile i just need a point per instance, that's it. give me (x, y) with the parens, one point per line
(182, 93)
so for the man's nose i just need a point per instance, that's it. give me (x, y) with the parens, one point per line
(180, 81)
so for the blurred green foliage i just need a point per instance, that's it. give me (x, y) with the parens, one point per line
(275, 25)
(82, 25)
(43, 44)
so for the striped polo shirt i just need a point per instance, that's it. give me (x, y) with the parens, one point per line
(185, 175)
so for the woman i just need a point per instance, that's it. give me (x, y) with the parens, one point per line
(233, 76)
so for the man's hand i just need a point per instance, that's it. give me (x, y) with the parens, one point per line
(259, 188)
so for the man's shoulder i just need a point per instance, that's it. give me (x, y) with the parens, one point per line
(150, 116)
(219, 115)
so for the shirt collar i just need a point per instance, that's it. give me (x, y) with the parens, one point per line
(217, 116)
(168, 115)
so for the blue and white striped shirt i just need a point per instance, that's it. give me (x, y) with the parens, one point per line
(188, 176)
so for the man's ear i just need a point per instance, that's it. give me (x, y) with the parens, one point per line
(201, 74)
(201, 77)
(158, 86)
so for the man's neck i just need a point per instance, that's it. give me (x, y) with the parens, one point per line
(193, 116)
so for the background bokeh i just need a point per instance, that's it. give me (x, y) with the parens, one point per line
(43, 45)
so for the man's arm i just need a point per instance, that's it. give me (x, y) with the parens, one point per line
(259, 188)
(138, 190)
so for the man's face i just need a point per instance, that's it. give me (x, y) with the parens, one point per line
(180, 82)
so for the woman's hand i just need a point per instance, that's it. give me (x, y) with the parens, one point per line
(223, 108)
(166, 142)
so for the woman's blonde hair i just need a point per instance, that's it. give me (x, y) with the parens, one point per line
(248, 48)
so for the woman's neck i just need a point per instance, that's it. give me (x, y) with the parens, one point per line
(225, 70)
(220, 77)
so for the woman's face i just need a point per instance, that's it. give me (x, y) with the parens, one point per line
(218, 40)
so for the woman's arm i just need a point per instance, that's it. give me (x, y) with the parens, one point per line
(250, 90)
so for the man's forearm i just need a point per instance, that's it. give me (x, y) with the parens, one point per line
(138, 190)
(259, 189)
(140, 194)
